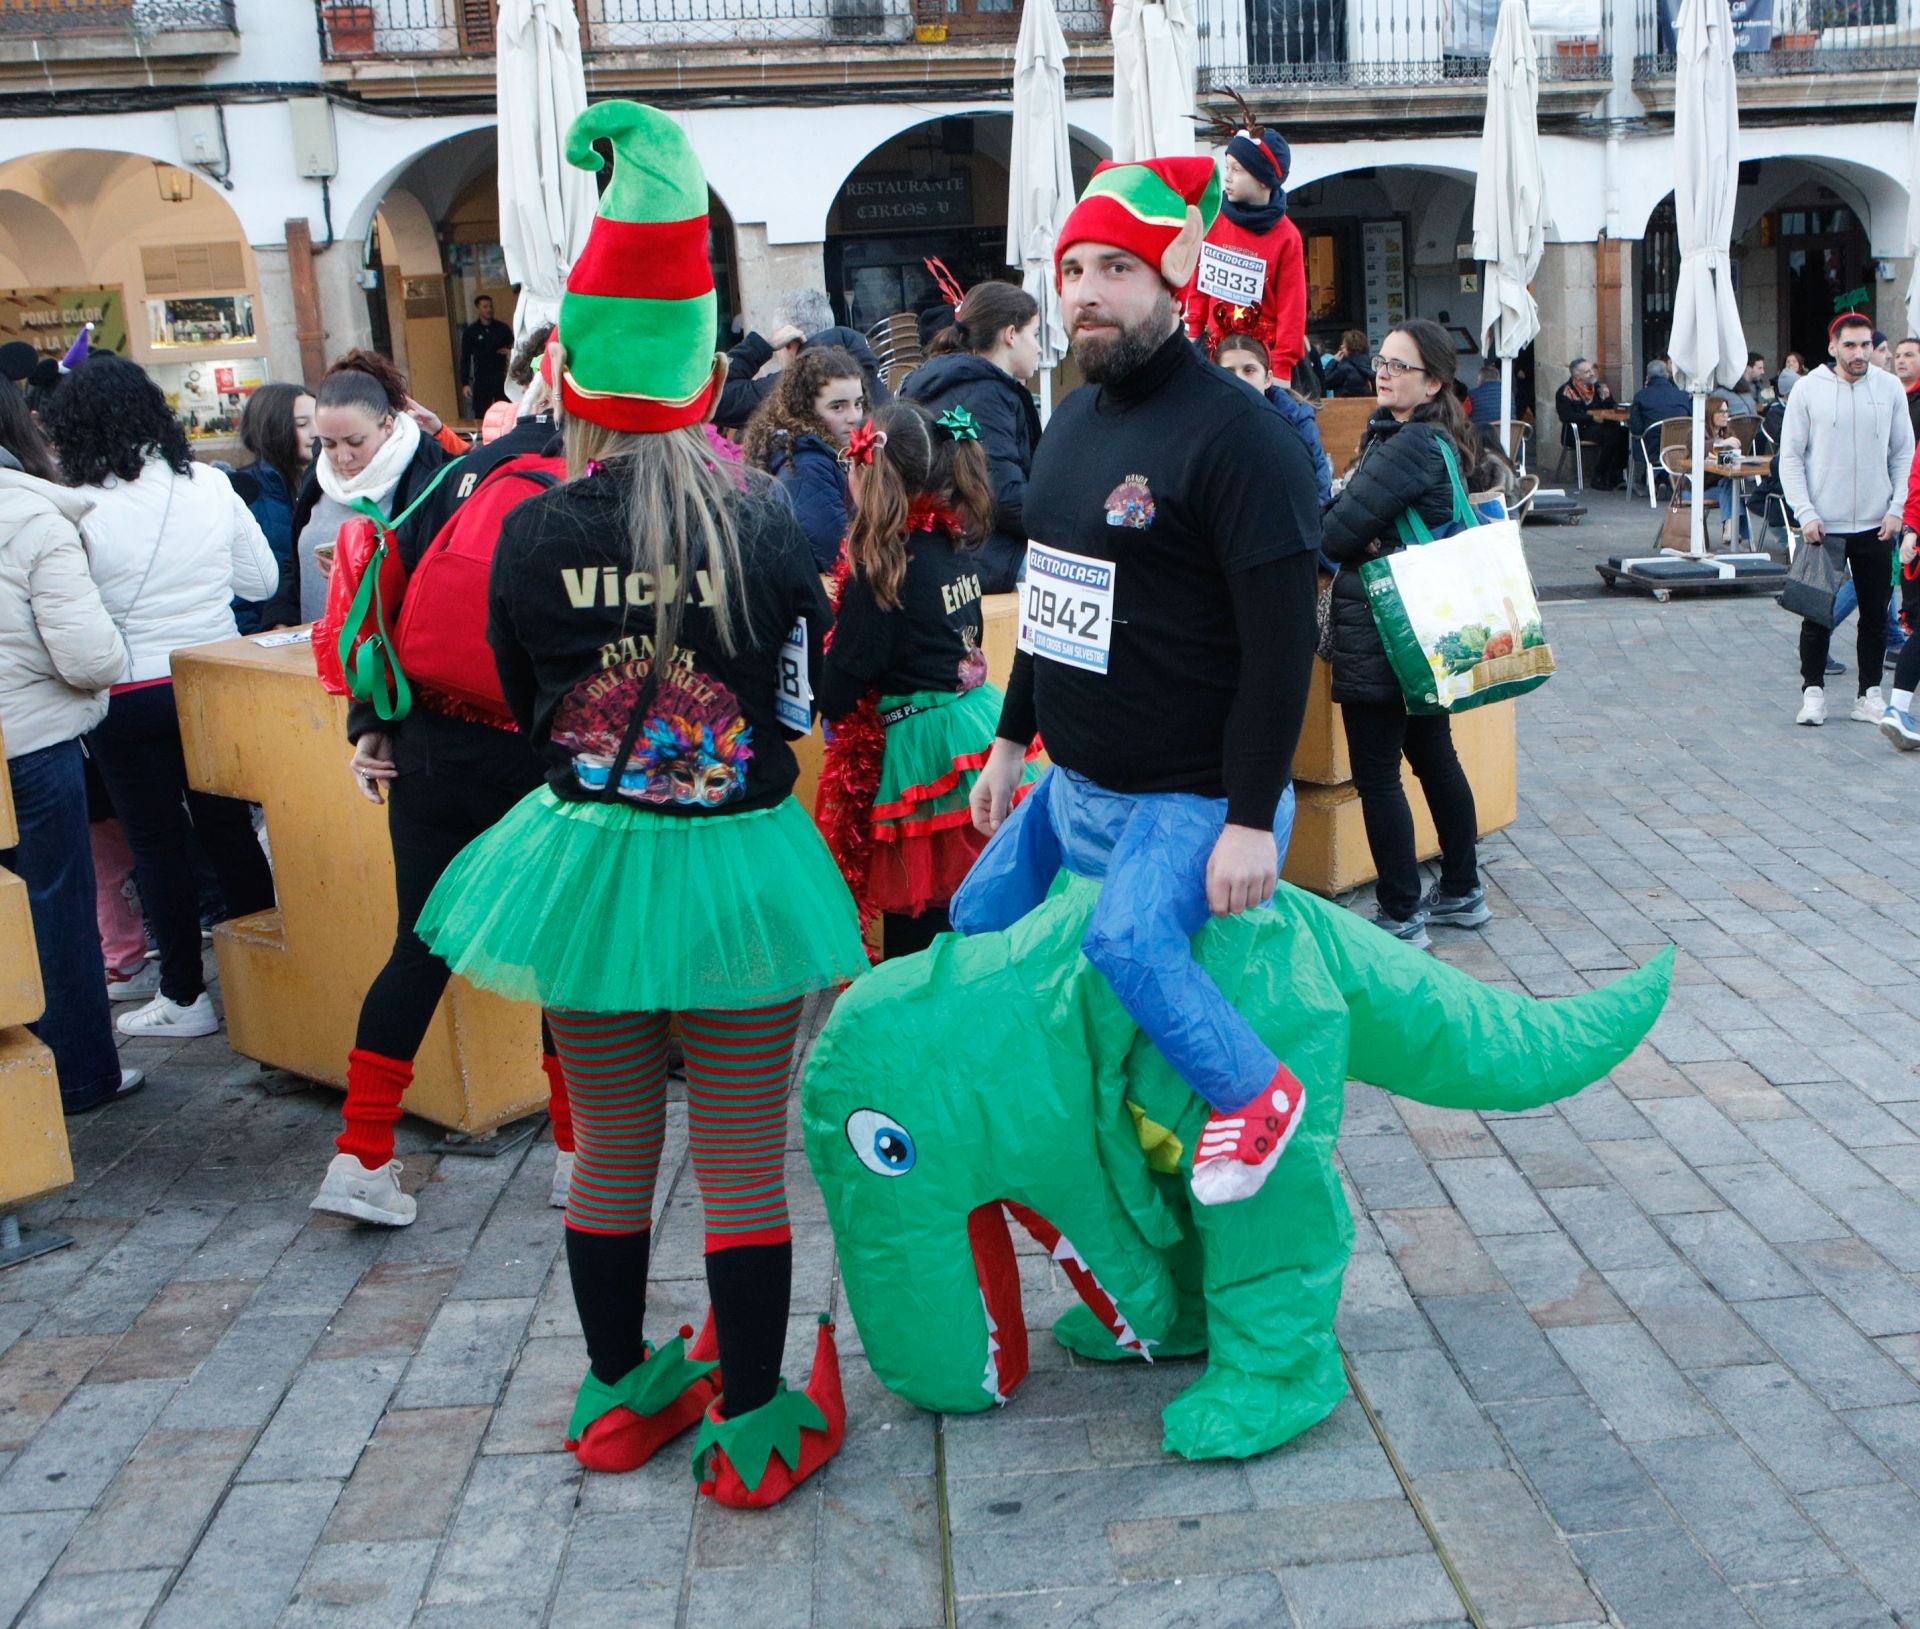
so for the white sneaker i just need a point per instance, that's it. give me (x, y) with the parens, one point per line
(161, 1017)
(367, 1196)
(1813, 706)
(141, 985)
(562, 1179)
(1869, 709)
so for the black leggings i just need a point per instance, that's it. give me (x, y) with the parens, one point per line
(904, 935)
(1377, 734)
(137, 750)
(1870, 559)
(430, 819)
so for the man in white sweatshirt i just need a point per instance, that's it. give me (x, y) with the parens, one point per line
(1846, 445)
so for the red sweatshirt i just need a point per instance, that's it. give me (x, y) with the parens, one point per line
(1279, 318)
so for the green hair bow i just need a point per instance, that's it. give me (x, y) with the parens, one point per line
(959, 424)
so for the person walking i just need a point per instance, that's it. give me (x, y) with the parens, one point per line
(171, 546)
(1170, 684)
(1846, 448)
(277, 428)
(981, 362)
(1401, 468)
(797, 435)
(665, 867)
(59, 651)
(485, 345)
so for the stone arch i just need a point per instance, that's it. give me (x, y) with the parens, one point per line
(1866, 173)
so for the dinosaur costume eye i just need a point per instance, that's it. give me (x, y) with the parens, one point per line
(884, 1148)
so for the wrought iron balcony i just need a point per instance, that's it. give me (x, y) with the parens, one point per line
(1253, 44)
(139, 19)
(1794, 37)
(450, 28)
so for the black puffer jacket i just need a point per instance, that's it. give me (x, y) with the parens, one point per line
(1009, 431)
(1399, 468)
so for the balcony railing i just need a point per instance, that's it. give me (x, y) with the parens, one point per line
(1773, 37)
(391, 28)
(1247, 44)
(145, 18)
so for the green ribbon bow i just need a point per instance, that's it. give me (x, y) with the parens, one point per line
(959, 424)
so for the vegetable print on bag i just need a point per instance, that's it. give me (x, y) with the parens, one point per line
(1066, 608)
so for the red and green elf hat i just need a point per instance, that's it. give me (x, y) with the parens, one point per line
(1157, 208)
(639, 316)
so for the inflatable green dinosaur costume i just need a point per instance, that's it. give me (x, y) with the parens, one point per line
(999, 1074)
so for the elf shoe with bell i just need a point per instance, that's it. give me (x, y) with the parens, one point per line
(759, 1457)
(620, 1427)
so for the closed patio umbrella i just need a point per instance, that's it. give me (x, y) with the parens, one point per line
(546, 204)
(1913, 220)
(1510, 201)
(1708, 343)
(1153, 44)
(1040, 174)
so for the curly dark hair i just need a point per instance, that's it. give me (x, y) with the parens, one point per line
(109, 418)
(788, 411)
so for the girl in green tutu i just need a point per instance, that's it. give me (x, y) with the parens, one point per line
(904, 682)
(654, 624)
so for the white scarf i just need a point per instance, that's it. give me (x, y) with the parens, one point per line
(382, 472)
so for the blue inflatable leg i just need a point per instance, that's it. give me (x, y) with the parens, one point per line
(1141, 938)
(1014, 871)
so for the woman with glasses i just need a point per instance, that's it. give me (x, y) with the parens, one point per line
(798, 435)
(1400, 469)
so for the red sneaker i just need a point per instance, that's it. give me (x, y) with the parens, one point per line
(756, 1459)
(1238, 1150)
(619, 1428)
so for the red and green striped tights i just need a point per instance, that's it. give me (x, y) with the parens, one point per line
(737, 1068)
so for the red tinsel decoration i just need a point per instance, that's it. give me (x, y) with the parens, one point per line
(849, 782)
(926, 513)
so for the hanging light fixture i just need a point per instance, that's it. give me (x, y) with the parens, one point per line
(176, 185)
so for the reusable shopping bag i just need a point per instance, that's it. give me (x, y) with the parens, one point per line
(1458, 614)
(1814, 579)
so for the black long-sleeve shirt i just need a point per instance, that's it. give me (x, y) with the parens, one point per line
(1203, 501)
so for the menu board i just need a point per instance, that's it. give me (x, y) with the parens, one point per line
(1384, 250)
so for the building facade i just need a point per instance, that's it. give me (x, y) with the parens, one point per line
(240, 189)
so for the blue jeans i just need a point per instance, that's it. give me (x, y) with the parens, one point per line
(55, 861)
(1152, 850)
(1847, 601)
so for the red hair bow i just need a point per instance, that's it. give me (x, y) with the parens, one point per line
(863, 442)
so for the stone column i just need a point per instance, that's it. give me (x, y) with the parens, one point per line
(1566, 290)
(769, 270)
(343, 302)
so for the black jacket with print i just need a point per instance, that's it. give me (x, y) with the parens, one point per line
(571, 624)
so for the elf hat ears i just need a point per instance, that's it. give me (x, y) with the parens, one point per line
(1181, 257)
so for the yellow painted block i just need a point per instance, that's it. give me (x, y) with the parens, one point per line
(22, 999)
(257, 725)
(34, 1160)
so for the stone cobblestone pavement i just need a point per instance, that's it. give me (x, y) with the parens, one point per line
(1650, 1357)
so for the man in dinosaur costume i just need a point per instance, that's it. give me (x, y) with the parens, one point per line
(999, 1075)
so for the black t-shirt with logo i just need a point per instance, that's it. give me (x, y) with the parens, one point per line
(571, 624)
(930, 642)
(1203, 499)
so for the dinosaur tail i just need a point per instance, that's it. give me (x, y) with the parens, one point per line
(1424, 1030)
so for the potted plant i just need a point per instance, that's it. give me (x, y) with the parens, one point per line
(349, 25)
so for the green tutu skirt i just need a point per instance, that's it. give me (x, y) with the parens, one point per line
(607, 908)
(933, 757)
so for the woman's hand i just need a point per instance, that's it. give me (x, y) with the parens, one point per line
(1909, 548)
(425, 417)
(372, 763)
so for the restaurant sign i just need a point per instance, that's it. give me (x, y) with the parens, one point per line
(888, 201)
(50, 319)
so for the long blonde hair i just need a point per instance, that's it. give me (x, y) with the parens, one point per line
(681, 518)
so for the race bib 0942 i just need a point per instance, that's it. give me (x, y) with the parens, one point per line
(1066, 608)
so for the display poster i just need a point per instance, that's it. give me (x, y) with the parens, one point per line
(50, 319)
(208, 396)
(1384, 253)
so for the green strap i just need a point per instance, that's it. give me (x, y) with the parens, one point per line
(367, 658)
(1413, 529)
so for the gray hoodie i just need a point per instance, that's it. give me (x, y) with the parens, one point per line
(1845, 450)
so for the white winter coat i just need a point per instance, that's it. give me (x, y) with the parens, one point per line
(59, 650)
(170, 553)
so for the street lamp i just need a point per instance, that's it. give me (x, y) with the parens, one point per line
(176, 186)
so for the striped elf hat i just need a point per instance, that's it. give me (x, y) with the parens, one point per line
(1157, 208)
(639, 315)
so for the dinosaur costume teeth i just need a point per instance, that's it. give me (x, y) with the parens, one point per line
(1084, 1134)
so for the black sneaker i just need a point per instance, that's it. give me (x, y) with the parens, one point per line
(1457, 910)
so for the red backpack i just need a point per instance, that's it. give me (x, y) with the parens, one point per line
(440, 641)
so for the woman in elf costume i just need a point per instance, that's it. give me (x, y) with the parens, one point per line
(642, 615)
(904, 681)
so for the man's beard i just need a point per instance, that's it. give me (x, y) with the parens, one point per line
(1104, 360)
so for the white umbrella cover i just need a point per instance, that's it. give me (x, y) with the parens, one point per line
(1040, 171)
(1708, 342)
(1913, 220)
(1153, 43)
(1510, 200)
(546, 204)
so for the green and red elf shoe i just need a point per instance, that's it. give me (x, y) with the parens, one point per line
(758, 1458)
(620, 1427)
